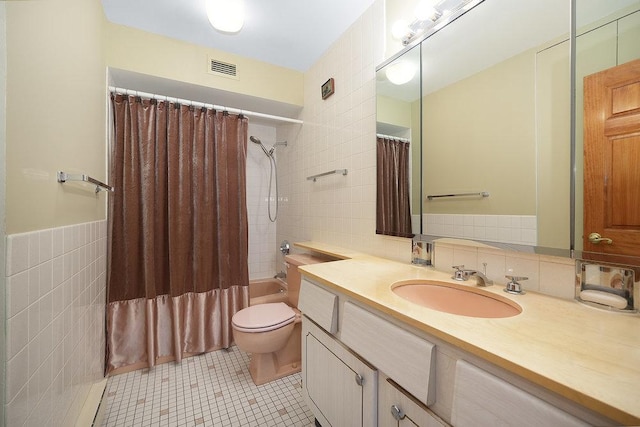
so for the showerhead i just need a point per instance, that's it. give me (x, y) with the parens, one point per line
(257, 141)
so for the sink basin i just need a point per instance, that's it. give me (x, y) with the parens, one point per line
(456, 299)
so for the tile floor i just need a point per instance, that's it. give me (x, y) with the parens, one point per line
(213, 389)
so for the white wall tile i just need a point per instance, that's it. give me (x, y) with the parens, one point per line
(17, 374)
(17, 253)
(517, 229)
(45, 310)
(17, 293)
(34, 249)
(17, 333)
(558, 278)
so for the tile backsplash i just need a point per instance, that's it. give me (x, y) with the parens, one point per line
(550, 275)
(56, 293)
(516, 229)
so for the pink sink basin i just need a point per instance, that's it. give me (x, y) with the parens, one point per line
(456, 299)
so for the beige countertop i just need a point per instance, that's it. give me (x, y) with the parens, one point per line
(585, 354)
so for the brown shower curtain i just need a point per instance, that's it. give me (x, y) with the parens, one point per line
(178, 231)
(393, 206)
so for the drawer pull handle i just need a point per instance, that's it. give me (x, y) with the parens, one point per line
(398, 414)
(359, 379)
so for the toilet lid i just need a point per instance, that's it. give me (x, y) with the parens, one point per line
(263, 317)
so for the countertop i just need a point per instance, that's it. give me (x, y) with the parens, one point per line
(585, 354)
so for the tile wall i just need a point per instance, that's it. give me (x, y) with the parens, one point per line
(56, 293)
(550, 275)
(263, 255)
(516, 229)
(338, 133)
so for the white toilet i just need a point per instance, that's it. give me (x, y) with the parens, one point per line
(272, 332)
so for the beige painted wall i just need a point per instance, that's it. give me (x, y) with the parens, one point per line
(479, 135)
(393, 111)
(55, 112)
(143, 52)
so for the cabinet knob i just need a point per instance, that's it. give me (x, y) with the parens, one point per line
(398, 414)
(359, 379)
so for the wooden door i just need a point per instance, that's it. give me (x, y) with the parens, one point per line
(612, 160)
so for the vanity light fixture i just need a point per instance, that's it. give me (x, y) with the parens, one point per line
(430, 16)
(226, 16)
(400, 72)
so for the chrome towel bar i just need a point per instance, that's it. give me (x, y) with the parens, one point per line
(64, 177)
(437, 196)
(314, 177)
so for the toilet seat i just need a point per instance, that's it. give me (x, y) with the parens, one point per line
(263, 317)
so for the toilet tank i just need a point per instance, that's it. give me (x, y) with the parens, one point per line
(294, 278)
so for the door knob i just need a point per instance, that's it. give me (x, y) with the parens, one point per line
(596, 238)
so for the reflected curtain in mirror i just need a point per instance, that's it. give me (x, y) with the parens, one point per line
(178, 244)
(393, 205)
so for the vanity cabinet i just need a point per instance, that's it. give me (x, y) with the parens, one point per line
(362, 367)
(340, 388)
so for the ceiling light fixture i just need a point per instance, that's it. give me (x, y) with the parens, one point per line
(400, 72)
(431, 16)
(226, 16)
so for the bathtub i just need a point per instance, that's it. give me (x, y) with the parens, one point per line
(262, 291)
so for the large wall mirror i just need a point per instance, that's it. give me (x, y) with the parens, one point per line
(495, 119)
(607, 125)
(398, 146)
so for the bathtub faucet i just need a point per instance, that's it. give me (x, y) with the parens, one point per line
(281, 275)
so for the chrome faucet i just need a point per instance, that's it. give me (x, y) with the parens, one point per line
(280, 275)
(463, 275)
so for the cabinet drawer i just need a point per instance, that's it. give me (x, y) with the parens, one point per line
(319, 305)
(481, 398)
(406, 358)
(397, 408)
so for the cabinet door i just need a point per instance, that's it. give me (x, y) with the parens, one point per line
(397, 408)
(482, 399)
(339, 388)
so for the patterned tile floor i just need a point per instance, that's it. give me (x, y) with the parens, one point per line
(213, 389)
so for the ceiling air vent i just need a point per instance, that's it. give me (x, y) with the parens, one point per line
(223, 69)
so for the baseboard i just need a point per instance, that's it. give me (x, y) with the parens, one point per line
(92, 411)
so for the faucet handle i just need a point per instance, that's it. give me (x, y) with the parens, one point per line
(513, 287)
(459, 273)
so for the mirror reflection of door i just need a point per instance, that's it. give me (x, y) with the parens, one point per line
(612, 160)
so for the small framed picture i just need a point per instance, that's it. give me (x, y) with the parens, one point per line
(328, 88)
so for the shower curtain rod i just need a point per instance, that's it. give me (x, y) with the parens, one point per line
(131, 92)
(397, 138)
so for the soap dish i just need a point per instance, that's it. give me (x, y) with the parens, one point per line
(607, 286)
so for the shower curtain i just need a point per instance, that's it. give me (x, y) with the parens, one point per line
(178, 242)
(392, 182)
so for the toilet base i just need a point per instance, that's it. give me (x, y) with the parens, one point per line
(266, 367)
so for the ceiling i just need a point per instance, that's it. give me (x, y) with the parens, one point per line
(289, 33)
